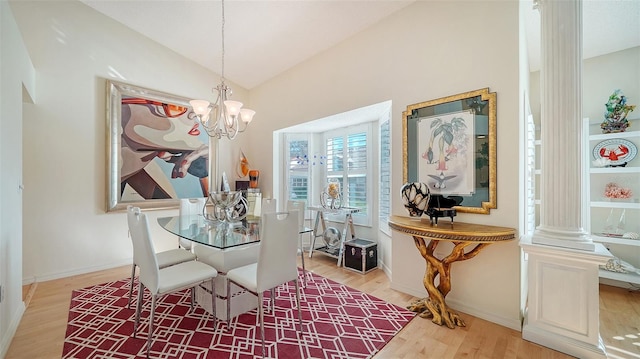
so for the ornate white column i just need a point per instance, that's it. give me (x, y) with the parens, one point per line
(561, 198)
(562, 265)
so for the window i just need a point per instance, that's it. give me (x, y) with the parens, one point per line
(530, 185)
(298, 172)
(384, 206)
(347, 154)
(352, 148)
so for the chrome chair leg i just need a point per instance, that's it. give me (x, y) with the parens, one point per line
(133, 274)
(272, 300)
(261, 315)
(299, 309)
(151, 318)
(304, 270)
(138, 309)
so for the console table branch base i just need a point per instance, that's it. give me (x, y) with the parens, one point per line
(434, 306)
(468, 240)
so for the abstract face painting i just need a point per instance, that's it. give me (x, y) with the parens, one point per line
(161, 152)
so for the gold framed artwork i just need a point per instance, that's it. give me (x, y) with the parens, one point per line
(450, 144)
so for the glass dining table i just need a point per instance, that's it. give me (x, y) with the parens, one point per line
(201, 231)
(224, 248)
(198, 230)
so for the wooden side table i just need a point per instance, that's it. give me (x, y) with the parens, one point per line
(427, 236)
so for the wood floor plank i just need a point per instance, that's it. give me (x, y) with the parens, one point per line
(42, 329)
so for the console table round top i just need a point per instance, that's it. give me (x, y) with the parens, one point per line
(451, 231)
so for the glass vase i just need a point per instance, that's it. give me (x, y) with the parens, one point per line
(621, 223)
(608, 225)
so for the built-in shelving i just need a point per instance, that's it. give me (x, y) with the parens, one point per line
(620, 277)
(600, 208)
(616, 240)
(605, 204)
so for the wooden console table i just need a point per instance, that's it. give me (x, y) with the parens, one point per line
(426, 237)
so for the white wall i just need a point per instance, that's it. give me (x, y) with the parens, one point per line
(425, 51)
(17, 82)
(601, 75)
(74, 48)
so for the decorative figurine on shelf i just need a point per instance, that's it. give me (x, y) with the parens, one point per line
(254, 175)
(243, 165)
(614, 191)
(615, 118)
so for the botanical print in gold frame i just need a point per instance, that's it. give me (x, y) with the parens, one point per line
(484, 106)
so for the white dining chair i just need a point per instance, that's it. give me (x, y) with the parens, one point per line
(190, 214)
(268, 205)
(166, 280)
(276, 264)
(165, 259)
(300, 207)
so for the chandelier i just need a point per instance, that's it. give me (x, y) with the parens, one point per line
(224, 117)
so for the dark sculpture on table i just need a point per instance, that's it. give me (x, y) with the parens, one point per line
(440, 206)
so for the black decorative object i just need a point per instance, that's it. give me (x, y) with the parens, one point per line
(415, 197)
(440, 206)
(435, 213)
(440, 201)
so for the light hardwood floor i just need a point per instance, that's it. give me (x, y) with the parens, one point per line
(42, 330)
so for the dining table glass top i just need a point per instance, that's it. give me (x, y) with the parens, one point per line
(213, 233)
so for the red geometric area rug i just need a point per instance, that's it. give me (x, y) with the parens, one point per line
(337, 322)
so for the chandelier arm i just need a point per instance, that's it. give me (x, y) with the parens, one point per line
(246, 125)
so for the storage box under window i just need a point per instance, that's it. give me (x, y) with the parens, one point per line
(361, 255)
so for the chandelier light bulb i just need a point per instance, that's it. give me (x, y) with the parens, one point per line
(200, 107)
(233, 107)
(247, 115)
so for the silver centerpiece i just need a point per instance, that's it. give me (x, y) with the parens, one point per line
(226, 207)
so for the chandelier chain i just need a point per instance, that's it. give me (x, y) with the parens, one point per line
(223, 23)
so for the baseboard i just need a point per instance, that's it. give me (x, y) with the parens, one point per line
(11, 331)
(563, 344)
(514, 324)
(382, 266)
(409, 290)
(76, 271)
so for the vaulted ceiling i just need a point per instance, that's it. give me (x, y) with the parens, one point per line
(266, 37)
